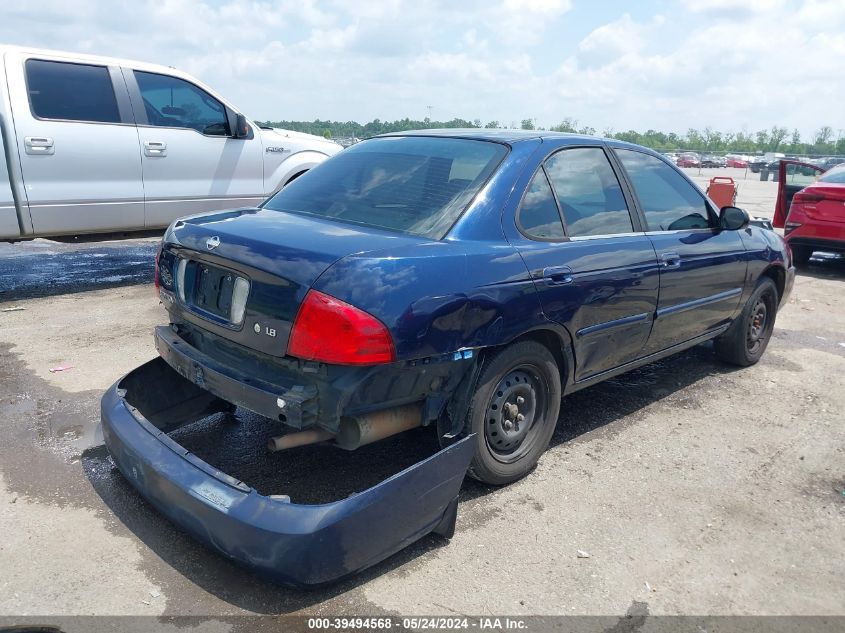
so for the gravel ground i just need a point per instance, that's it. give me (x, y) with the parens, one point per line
(692, 487)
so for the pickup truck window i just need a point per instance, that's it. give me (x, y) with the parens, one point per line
(669, 202)
(588, 191)
(172, 102)
(71, 92)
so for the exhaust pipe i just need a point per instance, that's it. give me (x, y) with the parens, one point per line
(369, 428)
(356, 432)
(303, 438)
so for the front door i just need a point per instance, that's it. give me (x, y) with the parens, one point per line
(594, 271)
(77, 143)
(191, 163)
(793, 176)
(702, 267)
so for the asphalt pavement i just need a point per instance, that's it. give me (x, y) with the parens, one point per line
(40, 268)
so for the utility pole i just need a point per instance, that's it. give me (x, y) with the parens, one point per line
(429, 108)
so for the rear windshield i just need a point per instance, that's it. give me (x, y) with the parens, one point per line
(416, 185)
(835, 175)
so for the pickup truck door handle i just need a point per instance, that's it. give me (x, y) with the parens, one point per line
(557, 275)
(155, 148)
(670, 260)
(39, 146)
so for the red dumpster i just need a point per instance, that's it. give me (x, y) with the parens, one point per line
(722, 191)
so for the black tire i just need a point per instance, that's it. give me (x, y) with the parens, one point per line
(522, 379)
(744, 342)
(801, 255)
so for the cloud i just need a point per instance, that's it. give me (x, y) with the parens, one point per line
(723, 63)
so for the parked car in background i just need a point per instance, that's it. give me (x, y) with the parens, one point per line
(828, 163)
(758, 163)
(459, 280)
(810, 209)
(712, 161)
(736, 161)
(689, 159)
(96, 145)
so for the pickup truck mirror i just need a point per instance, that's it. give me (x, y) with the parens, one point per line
(733, 218)
(241, 127)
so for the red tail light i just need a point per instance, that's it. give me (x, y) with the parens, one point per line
(331, 331)
(808, 198)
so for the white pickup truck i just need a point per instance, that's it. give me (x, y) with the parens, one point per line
(93, 145)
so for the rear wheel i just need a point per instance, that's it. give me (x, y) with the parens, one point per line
(513, 412)
(801, 255)
(745, 341)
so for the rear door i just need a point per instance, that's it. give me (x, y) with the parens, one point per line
(593, 268)
(191, 163)
(702, 267)
(793, 176)
(77, 142)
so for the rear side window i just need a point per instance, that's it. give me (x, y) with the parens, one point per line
(538, 215)
(668, 200)
(172, 102)
(71, 92)
(836, 175)
(588, 191)
(416, 185)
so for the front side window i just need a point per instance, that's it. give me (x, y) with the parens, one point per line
(588, 191)
(417, 185)
(669, 201)
(172, 102)
(538, 215)
(71, 92)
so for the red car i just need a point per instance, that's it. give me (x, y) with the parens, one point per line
(811, 209)
(736, 162)
(688, 160)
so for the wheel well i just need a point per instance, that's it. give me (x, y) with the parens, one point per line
(778, 275)
(551, 341)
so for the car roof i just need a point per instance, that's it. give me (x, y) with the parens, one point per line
(498, 135)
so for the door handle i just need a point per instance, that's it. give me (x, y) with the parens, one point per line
(155, 148)
(557, 275)
(670, 260)
(39, 145)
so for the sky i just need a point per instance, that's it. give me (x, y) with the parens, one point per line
(667, 65)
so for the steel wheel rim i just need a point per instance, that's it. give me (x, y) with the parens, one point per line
(757, 325)
(515, 413)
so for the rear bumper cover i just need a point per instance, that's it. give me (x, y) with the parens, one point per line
(835, 244)
(294, 544)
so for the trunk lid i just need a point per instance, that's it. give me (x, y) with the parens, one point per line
(280, 255)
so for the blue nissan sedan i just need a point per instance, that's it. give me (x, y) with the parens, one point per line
(460, 280)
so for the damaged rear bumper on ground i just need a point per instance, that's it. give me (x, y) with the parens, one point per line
(294, 544)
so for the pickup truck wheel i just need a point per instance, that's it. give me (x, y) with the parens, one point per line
(513, 412)
(745, 341)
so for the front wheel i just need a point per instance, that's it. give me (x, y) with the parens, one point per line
(513, 412)
(744, 342)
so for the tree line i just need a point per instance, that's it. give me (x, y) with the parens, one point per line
(776, 139)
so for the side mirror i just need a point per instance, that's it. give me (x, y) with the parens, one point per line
(241, 127)
(733, 218)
